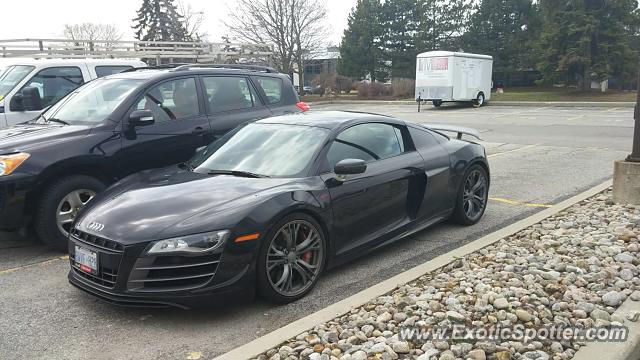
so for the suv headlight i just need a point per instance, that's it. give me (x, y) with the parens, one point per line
(8, 163)
(194, 244)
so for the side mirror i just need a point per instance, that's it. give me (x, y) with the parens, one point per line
(349, 167)
(28, 99)
(141, 118)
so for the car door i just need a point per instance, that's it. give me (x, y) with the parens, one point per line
(368, 206)
(231, 101)
(52, 84)
(279, 94)
(180, 127)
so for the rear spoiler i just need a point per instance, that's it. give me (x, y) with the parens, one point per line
(460, 130)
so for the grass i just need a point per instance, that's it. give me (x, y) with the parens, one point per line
(537, 93)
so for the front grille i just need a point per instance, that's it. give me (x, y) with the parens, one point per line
(97, 241)
(170, 273)
(106, 276)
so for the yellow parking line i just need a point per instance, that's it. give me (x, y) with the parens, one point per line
(513, 202)
(514, 150)
(44, 262)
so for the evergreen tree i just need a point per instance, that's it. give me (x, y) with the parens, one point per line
(441, 24)
(359, 49)
(585, 40)
(159, 20)
(400, 25)
(506, 30)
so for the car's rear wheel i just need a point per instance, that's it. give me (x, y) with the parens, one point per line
(437, 103)
(473, 194)
(291, 259)
(59, 205)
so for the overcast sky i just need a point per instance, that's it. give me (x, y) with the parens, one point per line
(45, 18)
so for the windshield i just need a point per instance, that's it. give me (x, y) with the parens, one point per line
(11, 76)
(92, 103)
(274, 150)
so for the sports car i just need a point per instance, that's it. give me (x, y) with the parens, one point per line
(271, 205)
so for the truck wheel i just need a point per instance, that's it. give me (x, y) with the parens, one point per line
(480, 100)
(437, 103)
(59, 205)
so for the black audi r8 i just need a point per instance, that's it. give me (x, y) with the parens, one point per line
(271, 205)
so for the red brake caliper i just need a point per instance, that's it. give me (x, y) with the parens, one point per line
(307, 255)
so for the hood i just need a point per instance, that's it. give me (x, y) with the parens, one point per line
(25, 136)
(146, 205)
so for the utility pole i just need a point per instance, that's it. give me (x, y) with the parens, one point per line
(635, 151)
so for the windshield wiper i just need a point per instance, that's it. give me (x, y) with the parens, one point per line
(236, 173)
(56, 120)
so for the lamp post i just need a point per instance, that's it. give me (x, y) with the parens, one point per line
(635, 151)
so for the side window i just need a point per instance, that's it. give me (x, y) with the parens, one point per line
(369, 142)
(226, 93)
(272, 88)
(422, 139)
(54, 83)
(171, 100)
(110, 70)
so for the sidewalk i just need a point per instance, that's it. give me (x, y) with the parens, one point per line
(573, 269)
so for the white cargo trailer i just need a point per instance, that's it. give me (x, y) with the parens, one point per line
(443, 76)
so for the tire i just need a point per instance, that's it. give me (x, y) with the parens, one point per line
(268, 280)
(56, 199)
(480, 100)
(461, 213)
(437, 103)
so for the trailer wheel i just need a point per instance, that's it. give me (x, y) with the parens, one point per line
(480, 100)
(437, 103)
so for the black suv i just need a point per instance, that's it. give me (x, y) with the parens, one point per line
(117, 125)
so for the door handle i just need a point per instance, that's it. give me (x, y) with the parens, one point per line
(198, 131)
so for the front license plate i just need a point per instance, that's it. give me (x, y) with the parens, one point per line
(86, 260)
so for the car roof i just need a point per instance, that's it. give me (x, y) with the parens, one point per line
(331, 120)
(72, 62)
(154, 73)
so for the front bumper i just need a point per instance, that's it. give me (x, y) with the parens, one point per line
(128, 279)
(14, 194)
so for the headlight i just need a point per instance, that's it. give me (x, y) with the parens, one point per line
(198, 243)
(8, 163)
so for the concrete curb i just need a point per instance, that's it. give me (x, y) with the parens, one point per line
(275, 338)
(609, 104)
(628, 350)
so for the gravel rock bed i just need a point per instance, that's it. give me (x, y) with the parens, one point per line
(572, 269)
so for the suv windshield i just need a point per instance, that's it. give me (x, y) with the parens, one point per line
(93, 102)
(11, 76)
(273, 150)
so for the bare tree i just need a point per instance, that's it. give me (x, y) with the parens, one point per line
(293, 27)
(89, 34)
(193, 21)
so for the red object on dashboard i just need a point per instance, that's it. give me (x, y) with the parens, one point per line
(303, 106)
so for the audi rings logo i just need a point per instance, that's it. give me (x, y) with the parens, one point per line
(95, 226)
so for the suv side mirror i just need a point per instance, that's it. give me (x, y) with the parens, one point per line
(141, 118)
(28, 99)
(349, 167)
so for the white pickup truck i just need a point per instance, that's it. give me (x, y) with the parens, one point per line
(29, 86)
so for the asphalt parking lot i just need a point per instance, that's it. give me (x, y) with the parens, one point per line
(538, 156)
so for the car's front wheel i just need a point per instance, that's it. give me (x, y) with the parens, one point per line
(291, 259)
(473, 194)
(59, 205)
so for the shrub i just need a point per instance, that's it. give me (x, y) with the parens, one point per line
(403, 88)
(373, 90)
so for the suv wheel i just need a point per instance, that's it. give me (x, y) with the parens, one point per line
(59, 205)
